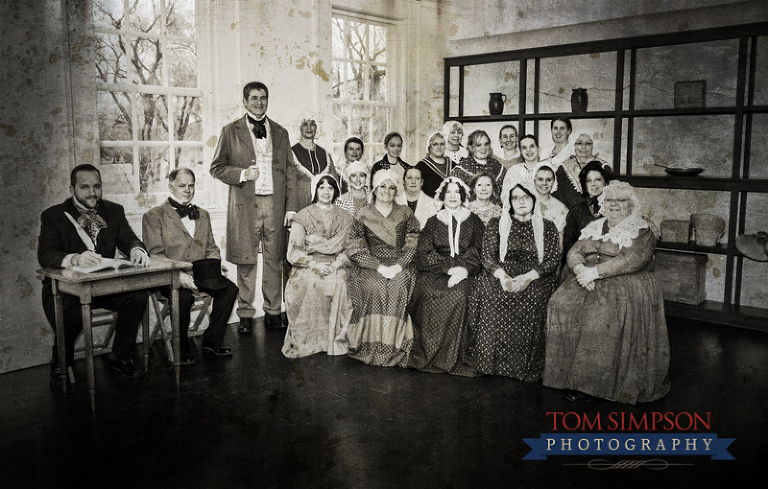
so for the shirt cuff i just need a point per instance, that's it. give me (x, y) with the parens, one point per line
(67, 261)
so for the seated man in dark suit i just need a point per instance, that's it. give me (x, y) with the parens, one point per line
(79, 232)
(179, 230)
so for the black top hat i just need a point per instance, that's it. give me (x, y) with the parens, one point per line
(208, 275)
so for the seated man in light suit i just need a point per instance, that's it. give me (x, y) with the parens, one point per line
(79, 232)
(179, 230)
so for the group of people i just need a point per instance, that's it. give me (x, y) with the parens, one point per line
(466, 263)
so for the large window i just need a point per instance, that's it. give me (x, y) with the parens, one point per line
(362, 76)
(149, 100)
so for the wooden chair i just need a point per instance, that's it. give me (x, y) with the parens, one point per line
(162, 308)
(100, 318)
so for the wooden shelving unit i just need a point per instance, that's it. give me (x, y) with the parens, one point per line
(739, 184)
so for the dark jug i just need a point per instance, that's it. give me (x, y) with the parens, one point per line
(579, 100)
(496, 103)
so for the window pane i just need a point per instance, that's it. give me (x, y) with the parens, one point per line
(152, 113)
(114, 116)
(148, 61)
(378, 44)
(117, 171)
(378, 84)
(340, 123)
(356, 44)
(187, 118)
(111, 59)
(154, 169)
(180, 19)
(361, 118)
(108, 13)
(337, 75)
(192, 158)
(380, 124)
(145, 16)
(183, 64)
(351, 81)
(337, 38)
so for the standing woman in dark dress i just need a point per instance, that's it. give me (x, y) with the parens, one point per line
(520, 253)
(480, 159)
(393, 144)
(447, 259)
(435, 167)
(312, 160)
(593, 178)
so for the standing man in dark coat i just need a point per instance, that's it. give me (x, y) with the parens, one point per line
(179, 230)
(79, 232)
(254, 158)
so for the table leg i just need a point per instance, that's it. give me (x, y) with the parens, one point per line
(176, 339)
(60, 340)
(145, 338)
(88, 337)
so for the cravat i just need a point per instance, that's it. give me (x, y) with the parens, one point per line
(258, 128)
(186, 210)
(91, 221)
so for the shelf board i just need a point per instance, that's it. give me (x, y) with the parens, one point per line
(717, 312)
(718, 249)
(698, 183)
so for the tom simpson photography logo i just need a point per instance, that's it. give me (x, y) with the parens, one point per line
(617, 433)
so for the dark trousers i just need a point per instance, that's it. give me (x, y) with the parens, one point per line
(223, 302)
(130, 307)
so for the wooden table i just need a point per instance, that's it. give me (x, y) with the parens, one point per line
(161, 272)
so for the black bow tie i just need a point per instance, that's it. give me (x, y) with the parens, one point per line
(258, 127)
(185, 210)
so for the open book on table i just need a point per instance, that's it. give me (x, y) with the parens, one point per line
(106, 264)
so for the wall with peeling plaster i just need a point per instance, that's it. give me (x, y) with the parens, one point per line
(48, 98)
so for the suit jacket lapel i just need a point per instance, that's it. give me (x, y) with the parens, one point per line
(171, 213)
(244, 133)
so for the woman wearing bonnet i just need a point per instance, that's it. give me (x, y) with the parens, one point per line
(520, 254)
(358, 196)
(382, 245)
(606, 330)
(311, 160)
(447, 259)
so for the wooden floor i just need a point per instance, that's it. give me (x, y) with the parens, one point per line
(259, 420)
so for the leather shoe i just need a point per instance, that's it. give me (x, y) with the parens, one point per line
(284, 319)
(55, 379)
(216, 349)
(125, 367)
(577, 396)
(272, 321)
(246, 325)
(186, 359)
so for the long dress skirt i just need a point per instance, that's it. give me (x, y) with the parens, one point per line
(319, 313)
(381, 332)
(610, 342)
(509, 327)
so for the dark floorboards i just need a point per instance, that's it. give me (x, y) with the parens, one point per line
(259, 420)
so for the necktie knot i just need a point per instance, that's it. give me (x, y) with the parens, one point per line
(259, 131)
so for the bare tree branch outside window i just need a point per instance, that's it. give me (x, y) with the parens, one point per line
(149, 103)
